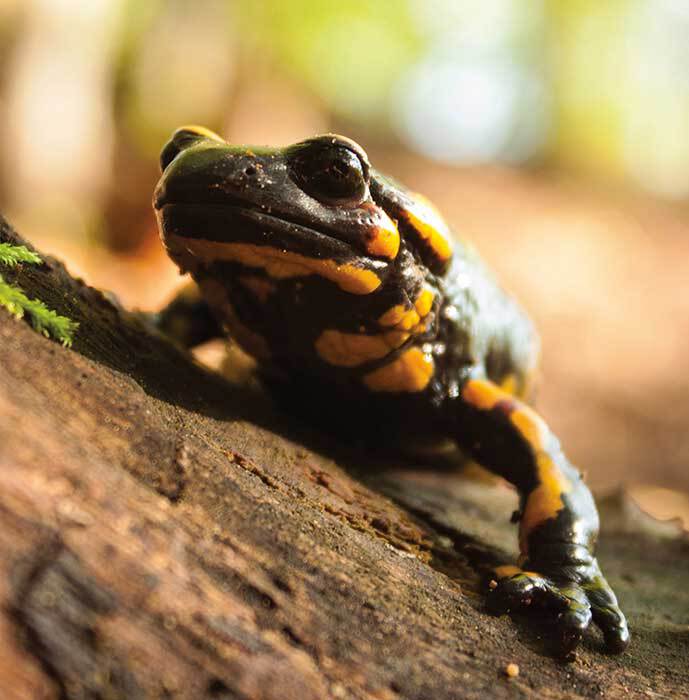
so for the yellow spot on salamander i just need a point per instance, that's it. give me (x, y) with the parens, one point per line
(354, 349)
(385, 242)
(429, 224)
(395, 315)
(410, 372)
(424, 302)
(483, 395)
(545, 501)
(408, 319)
(282, 264)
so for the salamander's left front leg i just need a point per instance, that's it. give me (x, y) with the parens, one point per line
(557, 571)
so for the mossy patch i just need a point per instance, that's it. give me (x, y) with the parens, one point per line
(44, 320)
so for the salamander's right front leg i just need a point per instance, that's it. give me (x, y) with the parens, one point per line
(187, 319)
(557, 571)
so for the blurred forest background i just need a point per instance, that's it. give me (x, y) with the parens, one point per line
(552, 133)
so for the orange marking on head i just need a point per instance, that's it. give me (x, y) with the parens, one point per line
(385, 241)
(282, 264)
(410, 372)
(430, 225)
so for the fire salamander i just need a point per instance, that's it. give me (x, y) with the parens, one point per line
(352, 291)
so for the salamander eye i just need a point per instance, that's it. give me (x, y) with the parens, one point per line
(331, 173)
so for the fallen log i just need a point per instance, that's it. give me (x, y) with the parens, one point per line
(165, 533)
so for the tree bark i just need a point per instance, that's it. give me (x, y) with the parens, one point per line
(167, 534)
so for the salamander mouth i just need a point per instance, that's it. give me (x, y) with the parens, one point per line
(170, 192)
(237, 223)
(202, 234)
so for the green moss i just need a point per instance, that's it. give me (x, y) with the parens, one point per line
(12, 298)
(12, 255)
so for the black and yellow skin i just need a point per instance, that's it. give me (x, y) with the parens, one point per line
(353, 295)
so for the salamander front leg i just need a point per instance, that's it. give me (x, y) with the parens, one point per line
(187, 319)
(557, 573)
